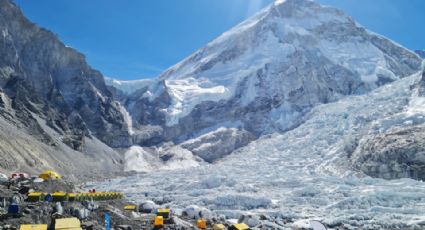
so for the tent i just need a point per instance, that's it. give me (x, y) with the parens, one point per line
(33, 227)
(147, 207)
(49, 174)
(13, 209)
(58, 196)
(68, 224)
(3, 178)
(34, 196)
(164, 212)
(219, 227)
(239, 227)
(20, 175)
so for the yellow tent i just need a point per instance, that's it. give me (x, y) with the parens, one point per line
(68, 224)
(164, 212)
(49, 174)
(239, 227)
(33, 227)
(59, 196)
(130, 207)
(72, 197)
(34, 196)
(202, 224)
(158, 221)
(219, 227)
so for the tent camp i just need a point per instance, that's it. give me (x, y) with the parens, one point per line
(49, 174)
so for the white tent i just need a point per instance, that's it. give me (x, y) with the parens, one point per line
(3, 178)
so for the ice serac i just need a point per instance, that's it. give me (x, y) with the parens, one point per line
(265, 74)
(50, 91)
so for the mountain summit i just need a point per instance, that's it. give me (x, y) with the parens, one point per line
(265, 74)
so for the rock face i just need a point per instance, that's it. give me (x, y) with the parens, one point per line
(41, 75)
(397, 154)
(50, 91)
(266, 74)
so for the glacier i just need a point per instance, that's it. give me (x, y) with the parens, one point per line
(302, 174)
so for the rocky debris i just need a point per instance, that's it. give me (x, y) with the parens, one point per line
(24, 153)
(217, 144)
(50, 186)
(398, 153)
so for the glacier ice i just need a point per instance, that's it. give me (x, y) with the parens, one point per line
(301, 174)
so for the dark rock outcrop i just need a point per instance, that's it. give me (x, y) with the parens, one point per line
(396, 154)
(44, 78)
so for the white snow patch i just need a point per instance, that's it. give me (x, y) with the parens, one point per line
(278, 2)
(129, 86)
(188, 93)
(365, 58)
(127, 119)
(140, 159)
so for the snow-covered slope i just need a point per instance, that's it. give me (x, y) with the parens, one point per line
(306, 173)
(128, 87)
(266, 74)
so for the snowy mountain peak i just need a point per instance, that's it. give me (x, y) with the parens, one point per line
(288, 50)
(309, 13)
(130, 86)
(294, 2)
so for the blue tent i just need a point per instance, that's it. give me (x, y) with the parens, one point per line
(13, 209)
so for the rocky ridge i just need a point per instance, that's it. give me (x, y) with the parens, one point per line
(50, 94)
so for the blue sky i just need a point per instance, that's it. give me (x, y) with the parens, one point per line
(132, 39)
